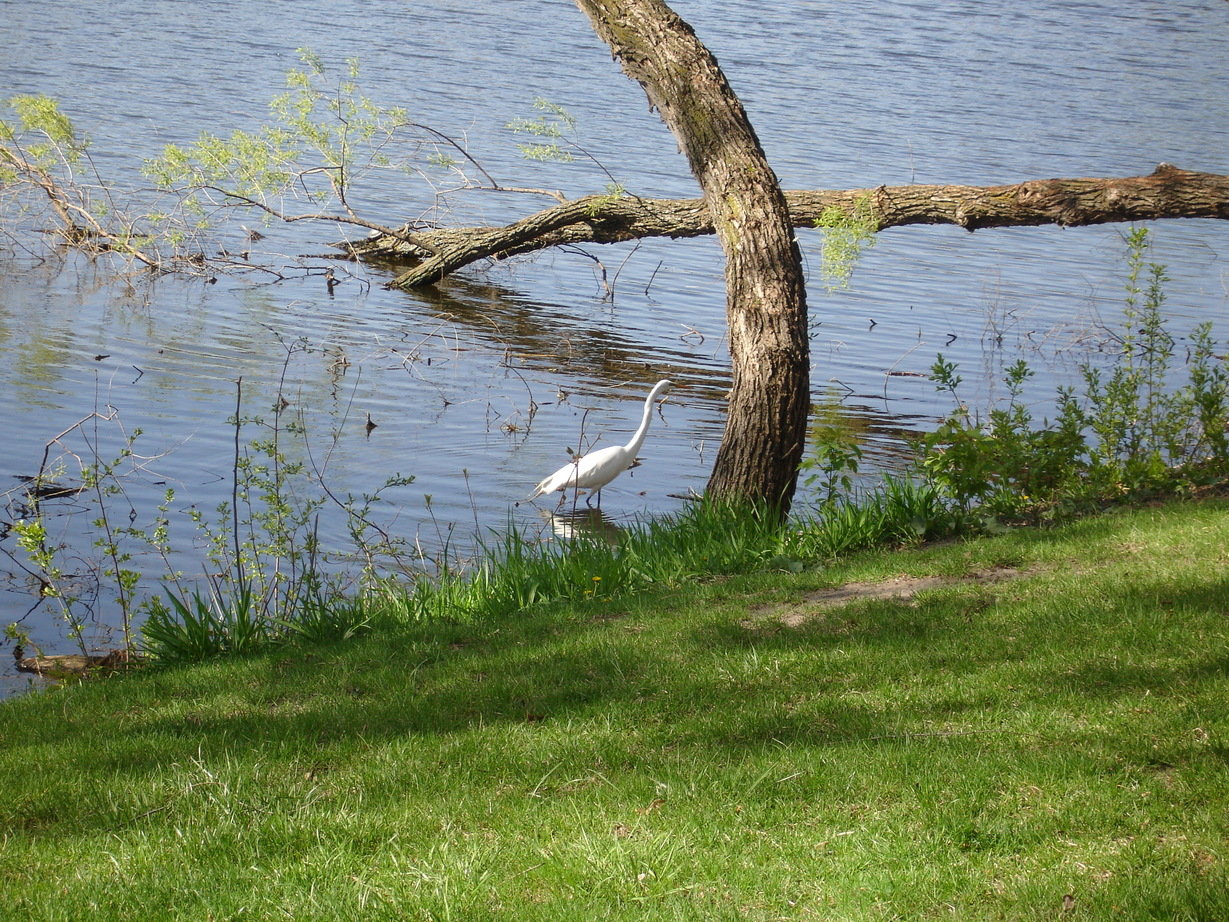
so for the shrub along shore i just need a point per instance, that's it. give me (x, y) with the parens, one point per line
(1031, 724)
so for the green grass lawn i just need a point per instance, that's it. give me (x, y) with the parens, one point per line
(1049, 745)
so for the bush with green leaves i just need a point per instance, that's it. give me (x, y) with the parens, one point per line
(1006, 465)
(1137, 429)
(828, 472)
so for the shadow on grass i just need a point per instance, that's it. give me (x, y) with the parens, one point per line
(723, 683)
(692, 676)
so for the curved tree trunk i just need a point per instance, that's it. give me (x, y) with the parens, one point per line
(769, 401)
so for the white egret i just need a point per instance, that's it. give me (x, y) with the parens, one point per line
(596, 469)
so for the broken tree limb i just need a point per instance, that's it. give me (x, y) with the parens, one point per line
(1168, 192)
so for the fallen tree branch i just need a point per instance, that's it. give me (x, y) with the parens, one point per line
(80, 228)
(1168, 192)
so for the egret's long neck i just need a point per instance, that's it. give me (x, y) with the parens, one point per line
(638, 439)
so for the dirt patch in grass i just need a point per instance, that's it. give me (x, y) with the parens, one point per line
(898, 588)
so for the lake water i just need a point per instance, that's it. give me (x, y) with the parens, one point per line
(477, 389)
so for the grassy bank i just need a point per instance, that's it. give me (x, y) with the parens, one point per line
(1041, 732)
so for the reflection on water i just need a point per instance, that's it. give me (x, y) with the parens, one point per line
(571, 522)
(540, 339)
(474, 388)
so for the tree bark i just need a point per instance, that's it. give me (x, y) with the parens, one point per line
(769, 403)
(1169, 192)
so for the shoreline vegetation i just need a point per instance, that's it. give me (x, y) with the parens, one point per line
(1150, 423)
